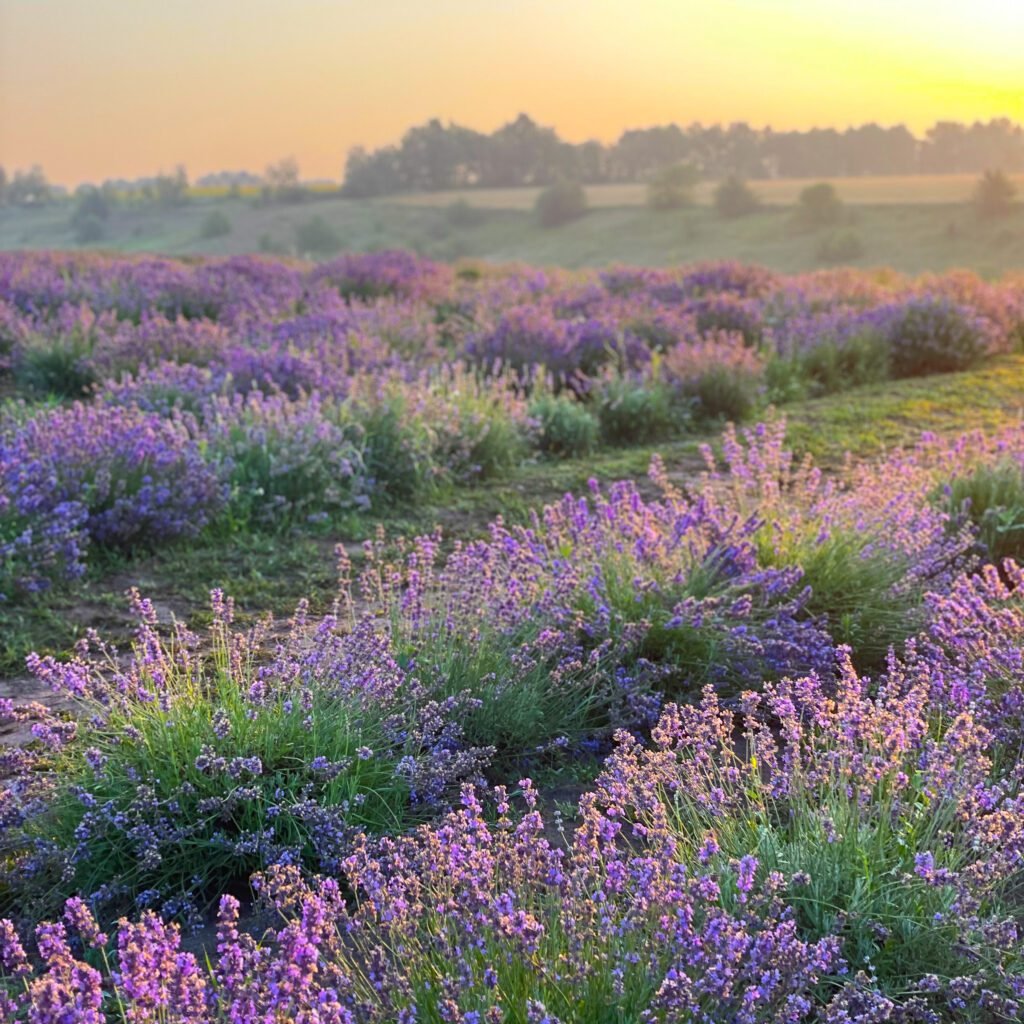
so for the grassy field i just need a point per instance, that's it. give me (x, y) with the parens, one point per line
(911, 224)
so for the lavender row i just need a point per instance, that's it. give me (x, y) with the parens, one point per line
(785, 829)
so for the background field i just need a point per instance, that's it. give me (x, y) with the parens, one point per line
(913, 224)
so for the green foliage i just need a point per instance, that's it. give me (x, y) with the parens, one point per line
(55, 367)
(735, 198)
(819, 206)
(520, 708)
(282, 184)
(172, 189)
(672, 187)
(216, 224)
(724, 392)
(315, 237)
(828, 368)
(862, 594)
(842, 246)
(88, 229)
(561, 203)
(857, 863)
(634, 411)
(397, 452)
(994, 195)
(461, 214)
(269, 244)
(567, 428)
(207, 713)
(992, 498)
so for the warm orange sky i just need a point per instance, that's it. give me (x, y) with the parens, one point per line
(121, 88)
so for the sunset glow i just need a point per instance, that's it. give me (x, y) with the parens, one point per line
(116, 88)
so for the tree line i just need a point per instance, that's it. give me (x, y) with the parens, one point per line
(436, 156)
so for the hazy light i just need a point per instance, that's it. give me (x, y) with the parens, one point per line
(116, 88)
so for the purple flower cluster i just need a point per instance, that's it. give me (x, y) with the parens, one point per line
(96, 474)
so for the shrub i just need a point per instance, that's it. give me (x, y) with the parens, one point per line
(229, 766)
(88, 229)
(735, 198)
(833, 366)
(561, 203)
(633, 410)
(316, 237)
(672, 187)
(890, 860)
(866, 578)
(462, 214)
(285, 461)
(114, 477)
(729, 313)
(397, 450)
(992, 498)
(819, 206)
(89, 218)
(269, 244)
(567, 428)
(479, 423)
(215, 224)
(994, 195)
(934, 335)
(840, 247)
(721, 374)
(58, 366)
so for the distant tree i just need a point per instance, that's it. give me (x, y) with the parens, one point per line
(819, 206)
(316, 237)
(215, 224)
(92, 201)
(672, 187)
(3, 187)
(282, 181)
(560, 203)
(735, 198)
(92, 208)
(29, 188)
(843, 246)
(171, 189)
(88, 229)
(522, 152)
(994, 195)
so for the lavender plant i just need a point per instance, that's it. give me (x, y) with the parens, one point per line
(192, 765)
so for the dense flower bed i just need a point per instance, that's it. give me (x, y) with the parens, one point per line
(417, 376)
(785, 828)
(798, 697)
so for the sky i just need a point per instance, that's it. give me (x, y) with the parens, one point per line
(92, 89)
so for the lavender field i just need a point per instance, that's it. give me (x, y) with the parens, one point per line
(734, 739)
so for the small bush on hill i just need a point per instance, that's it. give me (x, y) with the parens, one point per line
(994, 195)
(819, 206)
(561, 203)
(316, 237)
(672, 187)
(840, 247)
(735, 198)
(215, 224)
(461, 214)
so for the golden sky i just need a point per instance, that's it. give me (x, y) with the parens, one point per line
(100, 88)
